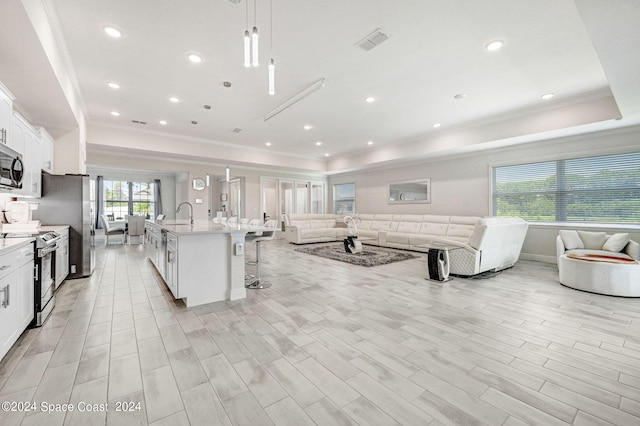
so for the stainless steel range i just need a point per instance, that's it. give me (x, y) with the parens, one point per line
(45, 285)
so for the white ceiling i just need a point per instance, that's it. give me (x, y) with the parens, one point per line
(580, 50)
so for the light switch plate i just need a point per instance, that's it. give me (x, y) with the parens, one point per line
(198, 200)
(239, 249)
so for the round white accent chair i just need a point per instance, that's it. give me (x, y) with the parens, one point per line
(602, 277)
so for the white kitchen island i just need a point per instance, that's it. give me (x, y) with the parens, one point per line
(201, 262)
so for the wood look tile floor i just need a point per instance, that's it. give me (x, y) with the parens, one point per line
(329, 344)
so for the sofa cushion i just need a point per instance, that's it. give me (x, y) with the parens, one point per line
(409, 227)
(616, 242)
(461, 228)
(593, 240)
(571, 239)
(582, 252)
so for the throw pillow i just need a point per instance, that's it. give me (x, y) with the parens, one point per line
(571, 240)
(616, 242)
(593, 240)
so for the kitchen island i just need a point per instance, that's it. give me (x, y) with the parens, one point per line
(201, 262)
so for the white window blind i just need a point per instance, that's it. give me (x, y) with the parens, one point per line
(603, 189)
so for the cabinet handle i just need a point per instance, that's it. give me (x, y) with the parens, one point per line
(5, 301)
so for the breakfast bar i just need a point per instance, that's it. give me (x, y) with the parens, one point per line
(201, 262)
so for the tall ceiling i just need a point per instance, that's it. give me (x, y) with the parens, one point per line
(579, 50)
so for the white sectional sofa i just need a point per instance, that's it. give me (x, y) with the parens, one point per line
(491, 243)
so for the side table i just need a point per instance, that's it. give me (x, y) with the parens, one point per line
(438, 261)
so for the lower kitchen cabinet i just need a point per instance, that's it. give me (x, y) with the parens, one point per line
(16, 293)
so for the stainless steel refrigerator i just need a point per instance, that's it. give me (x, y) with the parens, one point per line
(66, 201)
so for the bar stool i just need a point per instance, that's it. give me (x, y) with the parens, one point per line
(258, 284)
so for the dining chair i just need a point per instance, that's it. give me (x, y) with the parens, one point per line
(135, 228)
(112, 228)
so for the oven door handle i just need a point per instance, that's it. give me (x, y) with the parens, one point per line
(45, 251)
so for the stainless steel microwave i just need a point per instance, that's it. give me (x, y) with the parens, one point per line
(11, 168)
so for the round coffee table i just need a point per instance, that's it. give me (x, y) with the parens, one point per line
(598, 276)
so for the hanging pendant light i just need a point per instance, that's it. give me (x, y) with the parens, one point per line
(247, 49)
(272, 65)
(272, 77)
(247, 40)
(227, 174)
(254, 38)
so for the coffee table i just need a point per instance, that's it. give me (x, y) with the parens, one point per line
(353, 244)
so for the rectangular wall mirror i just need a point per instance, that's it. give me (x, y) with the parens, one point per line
(411, 191)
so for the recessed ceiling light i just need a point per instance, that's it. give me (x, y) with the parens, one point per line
(113, 85)
(115, 113)
(112, 31)
(162, 122)
(369, 99)
(318, 143)
(326, 154)
(436, 125)
(494, 45)
(370, 143)
(460, 96)
(174, 99)
(547, 96)
(268, 143)
(308, 127)
(195, 58)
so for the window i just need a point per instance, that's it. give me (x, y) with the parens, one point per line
(603, 189)
(128, 198)
(344, 197)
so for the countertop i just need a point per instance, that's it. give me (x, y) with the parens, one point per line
(7, 243)
(49, 228)
(182, 227)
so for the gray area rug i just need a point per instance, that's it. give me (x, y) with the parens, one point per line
(370, 256)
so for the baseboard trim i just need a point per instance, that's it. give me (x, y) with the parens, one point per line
(539, 258)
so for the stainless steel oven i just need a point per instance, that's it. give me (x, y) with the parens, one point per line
(45, 275)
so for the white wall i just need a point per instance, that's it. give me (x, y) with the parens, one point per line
(461, 185)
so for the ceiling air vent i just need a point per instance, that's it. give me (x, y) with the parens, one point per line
(236, 130)
(372, 40)
(138, 122)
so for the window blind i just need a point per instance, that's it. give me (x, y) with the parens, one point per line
(602, 189)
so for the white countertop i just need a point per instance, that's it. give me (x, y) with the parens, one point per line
(181, 227)
(6, 243)
(49, 228)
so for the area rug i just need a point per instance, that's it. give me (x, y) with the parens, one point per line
(370, 256)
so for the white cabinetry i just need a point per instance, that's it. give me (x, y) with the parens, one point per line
(46, 146)
(171, 273)
(28, 138)
(25, 288)
(62, 257)
(6, 109)
(16, 293)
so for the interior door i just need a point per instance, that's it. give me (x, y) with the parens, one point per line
(269, 199)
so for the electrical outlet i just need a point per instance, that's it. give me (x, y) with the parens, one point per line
(73, 269)
(239, 249)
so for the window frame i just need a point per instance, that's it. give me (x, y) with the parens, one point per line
(565, 190)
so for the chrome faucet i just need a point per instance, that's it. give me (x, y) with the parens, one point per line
(191, 211)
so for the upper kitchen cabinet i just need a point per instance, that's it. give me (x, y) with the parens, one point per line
(46, 142)
(29, 139)
(6, 109)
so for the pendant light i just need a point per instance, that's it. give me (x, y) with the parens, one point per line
(227, 173)
(247, 41)
(254, 39)
(272, 65)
